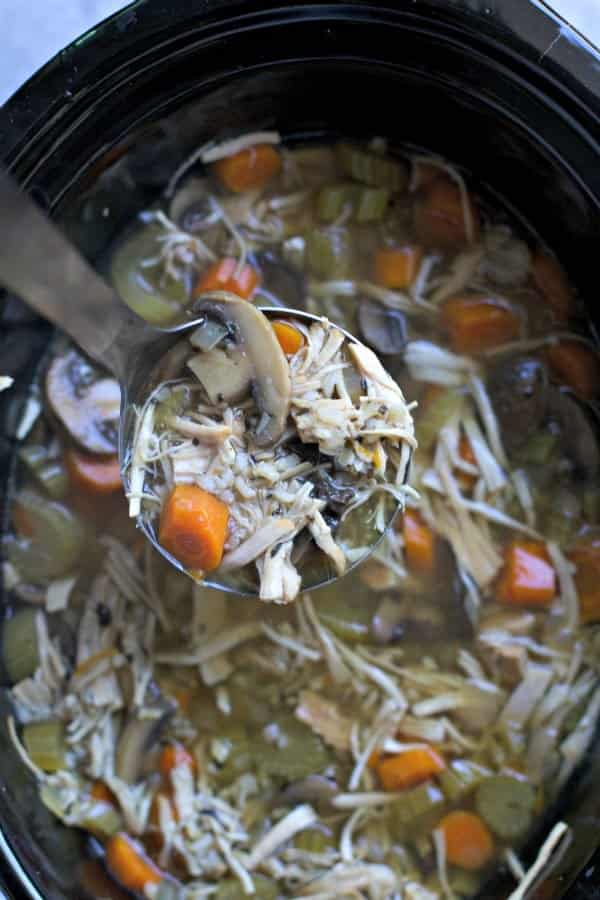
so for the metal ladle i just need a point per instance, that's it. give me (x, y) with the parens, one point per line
(41, 266)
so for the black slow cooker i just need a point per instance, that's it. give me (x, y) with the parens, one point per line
(501, 87)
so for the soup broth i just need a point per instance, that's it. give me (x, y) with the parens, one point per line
(399, 733)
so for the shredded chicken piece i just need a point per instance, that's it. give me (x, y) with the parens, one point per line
(325, 719)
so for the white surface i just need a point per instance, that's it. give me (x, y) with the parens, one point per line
(32, 31)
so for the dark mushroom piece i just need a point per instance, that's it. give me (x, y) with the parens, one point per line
(281, 283)
(382, 329)
(518, 389)
(252, 361)
(318, 790)
(136, 740)
(579, 429)
(85, 402)
(191, 207)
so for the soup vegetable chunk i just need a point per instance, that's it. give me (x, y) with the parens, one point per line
(401, 732)
(262, 445)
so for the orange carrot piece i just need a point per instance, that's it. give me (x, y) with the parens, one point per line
(103, 794)
(290, 339)
(465, 451)
(173, 755)
(550, 278)
(585, 554)
(476, 322)
(397, 267)
(419, 542)
(576, 366)
(528, 577)
(407, 769)
(193, 527)
(374, 759)
(439, 214)
(93, 474)
(223, 275)
(247, 169)
(469, 843)
(183, 696)
(129, 864)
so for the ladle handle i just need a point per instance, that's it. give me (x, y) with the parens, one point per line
(41, 266)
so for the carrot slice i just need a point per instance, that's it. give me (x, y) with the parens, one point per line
(290, 339)
(439, 215)
(247, 169)
(193, 527)
(223, 275)
(92, 473)
(397, 267)
(129, 864)
(465, 451)
(586, 556)
(469, 843)
(577, 366)
(476, 322)
(172, 756)
(407, 769)
(419, 542)
(549, 276)
(102, 793)
(528, 577)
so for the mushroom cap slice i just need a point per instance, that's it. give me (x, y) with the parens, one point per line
(87, 405)
(255, 339)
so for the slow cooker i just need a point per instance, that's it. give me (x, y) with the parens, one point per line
(501, 87)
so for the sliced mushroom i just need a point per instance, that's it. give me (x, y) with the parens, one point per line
(518, 388)
(225, 376)
(318, 790)
(383, 329)
(137, 738)
(579, 427)
(255, 339)
(86, 404)
(191, 207)
(282, 283)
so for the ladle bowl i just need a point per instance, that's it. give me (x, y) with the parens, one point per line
(40, 265)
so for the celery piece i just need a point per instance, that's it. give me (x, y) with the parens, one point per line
(328, 253)
(314, 840)
(463, 882)
(45, 744)
(301, 752)
(55, 542)
(169, 889)
(372, 205)
(460, 777)
(371, 168)
(506, 804)
(264, 889)
(20, 645)
(416, 811)
(334, 198)
(49, 473)
(101, 819)
(430, 420)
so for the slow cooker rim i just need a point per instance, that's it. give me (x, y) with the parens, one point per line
(18, 157)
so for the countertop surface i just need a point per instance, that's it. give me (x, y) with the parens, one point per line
(34, 31)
